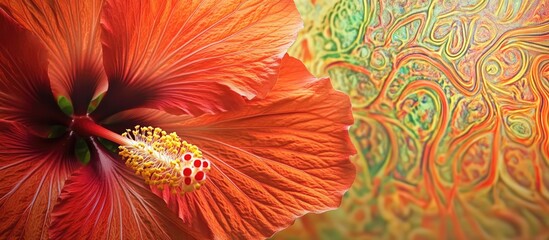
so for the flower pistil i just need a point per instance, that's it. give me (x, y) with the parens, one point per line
(164, 160)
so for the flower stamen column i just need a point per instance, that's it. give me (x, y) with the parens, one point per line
(161, 159)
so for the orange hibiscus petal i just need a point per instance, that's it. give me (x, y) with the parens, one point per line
(106, 200)
(32, 172)
(274, 160)
(141, 116)
(25, 92)
(71, 33)
(189, 52)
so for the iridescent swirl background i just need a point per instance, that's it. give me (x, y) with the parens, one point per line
(451, 102)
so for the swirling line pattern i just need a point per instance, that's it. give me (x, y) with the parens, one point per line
(451, 101)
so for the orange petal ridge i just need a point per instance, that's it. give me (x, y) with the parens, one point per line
(195, 56)
(272, 161)
(70, 32)
(25, 92)
(32, 172)
(105, 200)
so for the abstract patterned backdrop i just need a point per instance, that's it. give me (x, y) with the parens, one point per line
(451, 104)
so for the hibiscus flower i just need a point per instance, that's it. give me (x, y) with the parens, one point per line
(242, 140)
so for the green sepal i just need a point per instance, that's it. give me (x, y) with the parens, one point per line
(65, 105)
(95, 103)
(57, 131)
(113, 147)
(82, 151)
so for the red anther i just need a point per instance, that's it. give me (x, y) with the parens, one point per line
(187, 157)
(187, 172)
(188, 181)
(205, 164)
(197, 163)
(199, 176)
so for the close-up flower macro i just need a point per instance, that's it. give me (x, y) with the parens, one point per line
(163, 119)
(279, 120)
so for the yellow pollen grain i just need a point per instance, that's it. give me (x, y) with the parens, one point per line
(163, 160)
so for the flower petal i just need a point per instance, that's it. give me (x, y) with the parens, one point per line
(274, 160)
(25, 92)
(185, 50)
(70, 31)
(138, 116)
(33, 172)
(105, 200)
